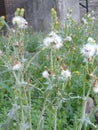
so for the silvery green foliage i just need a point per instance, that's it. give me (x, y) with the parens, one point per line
(13, 111)
(24, 126)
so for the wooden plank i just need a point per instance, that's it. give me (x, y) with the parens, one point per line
(2, 8)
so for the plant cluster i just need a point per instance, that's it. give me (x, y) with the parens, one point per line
(49, 82)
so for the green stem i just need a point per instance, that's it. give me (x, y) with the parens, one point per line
(43, 110)
(30, 111)
(84, 108)
(83, 114)
(55, 119)
(16, 78)
(22, 113)
(25, 95)
(51, 55)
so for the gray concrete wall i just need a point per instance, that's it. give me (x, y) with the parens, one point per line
(38, 12)
(64, 5)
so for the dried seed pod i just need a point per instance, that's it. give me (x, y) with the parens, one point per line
(96, 117)
(63, 67)
(58, 58)
(89, 105)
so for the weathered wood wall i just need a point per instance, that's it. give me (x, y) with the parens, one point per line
(10, 7)
(2, 8)
(38, 12)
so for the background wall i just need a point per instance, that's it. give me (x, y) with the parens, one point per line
(37, 11)
(93, 5)
(2, 8)
(11, 5)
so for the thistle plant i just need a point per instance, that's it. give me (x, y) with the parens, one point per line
(49, 82)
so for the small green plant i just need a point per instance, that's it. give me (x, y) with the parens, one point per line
(2, 22)
(55, 24)
(19, 12)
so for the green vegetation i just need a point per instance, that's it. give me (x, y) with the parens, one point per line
(45, 81)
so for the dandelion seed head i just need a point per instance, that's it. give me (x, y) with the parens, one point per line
(90, 40)
(20, 22)
(65, 74)
(89, 15)
(53, 40)
(68, 38)
(52, 34)
(58, 46)
(95, 87)
(88, 50)
(84, 21)
(45, 74)
(47, 41)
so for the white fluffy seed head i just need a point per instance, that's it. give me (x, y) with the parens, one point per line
(68, 38)
(20, 22)
(53, 40)
(95, 87)
(45, 74)
(65, 74)
(84, 21)
(88, 50)
(90, 40)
